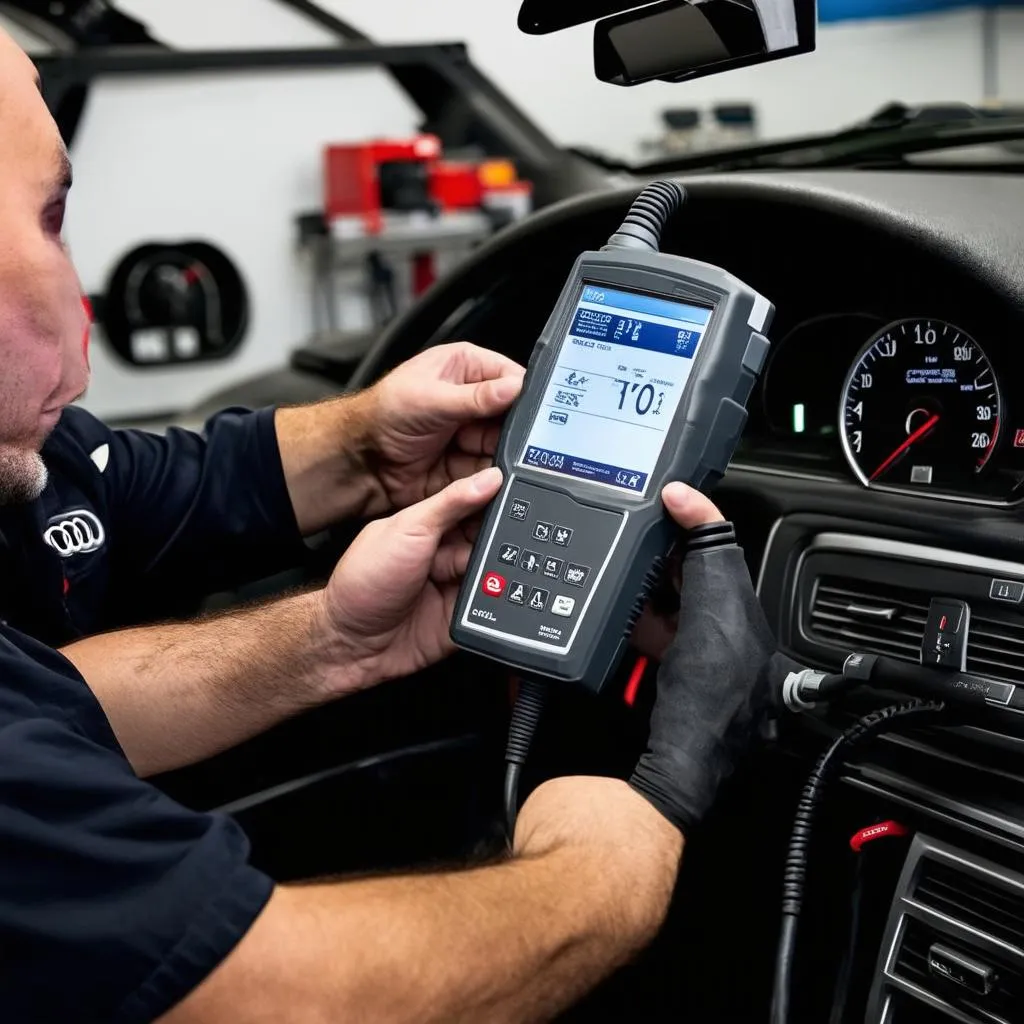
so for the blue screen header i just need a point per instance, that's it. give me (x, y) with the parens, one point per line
(593, 325)
(634, 302)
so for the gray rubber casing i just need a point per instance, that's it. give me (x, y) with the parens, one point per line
(701, 439)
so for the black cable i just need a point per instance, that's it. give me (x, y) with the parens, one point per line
(513, 773)
(526, 714)
(784, 970)
(643, 224)
(845, 975)
(832, 685)
(795, 877)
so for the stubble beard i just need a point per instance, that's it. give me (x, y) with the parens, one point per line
(23, 475)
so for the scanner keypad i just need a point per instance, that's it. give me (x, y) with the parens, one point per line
(548, 549)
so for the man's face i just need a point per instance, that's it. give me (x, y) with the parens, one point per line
(43, 364)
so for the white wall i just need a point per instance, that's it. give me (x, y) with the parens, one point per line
(1011, 54)
(233, 158)
(229, 160)
(857, 68)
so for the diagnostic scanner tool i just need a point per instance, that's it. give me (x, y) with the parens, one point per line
(640, 377)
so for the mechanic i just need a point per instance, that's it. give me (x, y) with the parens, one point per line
(121, 528)
(117, 904)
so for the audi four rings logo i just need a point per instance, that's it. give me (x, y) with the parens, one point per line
(75, 533)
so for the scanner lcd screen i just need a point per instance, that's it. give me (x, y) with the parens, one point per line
(615, 387)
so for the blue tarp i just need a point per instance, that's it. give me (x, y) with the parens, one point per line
(848, 10)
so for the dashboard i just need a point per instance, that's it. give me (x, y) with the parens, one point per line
(882, 466)
(917, 404)
(898, 342)
(892, 405)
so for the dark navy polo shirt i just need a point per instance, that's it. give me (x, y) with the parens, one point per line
(135, 526)
(115, 901)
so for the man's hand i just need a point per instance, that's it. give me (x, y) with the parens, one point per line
(391, 598)
(433, 420)
(714, 681)
(179, 692)
(436, 419)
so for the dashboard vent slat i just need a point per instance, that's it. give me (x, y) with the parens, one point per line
(1003, 633)
(992, 909)
(1002, 1003)
(838, 619)
(910, 1011)
(853, 614)
(866, 593)
(1001, 668)
(982, 646)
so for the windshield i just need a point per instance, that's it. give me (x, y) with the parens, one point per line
(886, 64)
(871, 54)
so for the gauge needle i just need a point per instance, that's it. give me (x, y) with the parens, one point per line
(925, 428)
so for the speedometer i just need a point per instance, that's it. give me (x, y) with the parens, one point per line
(920, 407)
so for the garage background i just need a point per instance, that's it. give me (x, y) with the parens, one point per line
(232, 158)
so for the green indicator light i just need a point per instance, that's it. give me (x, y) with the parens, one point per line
(798, 418)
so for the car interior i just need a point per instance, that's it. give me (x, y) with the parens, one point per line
(858, 498)
(839, 567)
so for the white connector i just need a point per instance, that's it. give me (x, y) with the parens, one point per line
(800, 688)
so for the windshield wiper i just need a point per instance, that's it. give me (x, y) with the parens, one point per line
(877, 142)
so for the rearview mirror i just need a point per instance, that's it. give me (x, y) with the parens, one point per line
(677, 40)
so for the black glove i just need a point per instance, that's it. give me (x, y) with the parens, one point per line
(713, 684)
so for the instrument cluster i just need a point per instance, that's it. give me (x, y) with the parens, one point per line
(916, 404)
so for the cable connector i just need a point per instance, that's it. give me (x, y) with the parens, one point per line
(804, 690)
(799, 689)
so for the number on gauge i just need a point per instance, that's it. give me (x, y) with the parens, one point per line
(920, 407)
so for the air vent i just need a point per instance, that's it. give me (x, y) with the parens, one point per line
(867, 616)
(992, 909)
(1002, 1003)
(908, 1010)
(851, 614)
(954, 944)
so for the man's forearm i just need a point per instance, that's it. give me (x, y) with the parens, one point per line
(180, 692)
(326, 454)
(517, 941)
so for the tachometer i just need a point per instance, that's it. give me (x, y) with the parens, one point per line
(920, 407)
